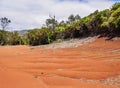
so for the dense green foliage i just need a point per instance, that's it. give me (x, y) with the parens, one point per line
(103, 23)
(12, 38)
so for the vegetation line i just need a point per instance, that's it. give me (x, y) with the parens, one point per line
(104, 23)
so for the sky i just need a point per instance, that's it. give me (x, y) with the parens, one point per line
(30, 14)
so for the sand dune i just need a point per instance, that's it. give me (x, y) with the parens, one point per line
(92, 65)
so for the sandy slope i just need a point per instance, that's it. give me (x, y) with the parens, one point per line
(93, 65)
(12, 79)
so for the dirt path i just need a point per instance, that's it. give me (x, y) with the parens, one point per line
(92, 65)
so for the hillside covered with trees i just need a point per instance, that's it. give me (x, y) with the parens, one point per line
(104, 23)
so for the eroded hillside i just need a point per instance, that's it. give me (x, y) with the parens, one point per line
(92, 65)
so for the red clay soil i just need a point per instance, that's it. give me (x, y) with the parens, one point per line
(87, 66)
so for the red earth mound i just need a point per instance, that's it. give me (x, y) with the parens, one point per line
(93, 65)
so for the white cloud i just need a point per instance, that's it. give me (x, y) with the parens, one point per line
(26, 14)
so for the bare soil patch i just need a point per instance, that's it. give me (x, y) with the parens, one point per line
(94, 63)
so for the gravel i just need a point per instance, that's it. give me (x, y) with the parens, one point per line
(68, 43)
(113, 81)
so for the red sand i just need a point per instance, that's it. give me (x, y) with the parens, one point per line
(26, 67)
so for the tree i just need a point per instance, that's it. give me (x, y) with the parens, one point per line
(71, 19)
(77, 17)
(51, 22)
(62, 23)
(4, 22)
(115, 6)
